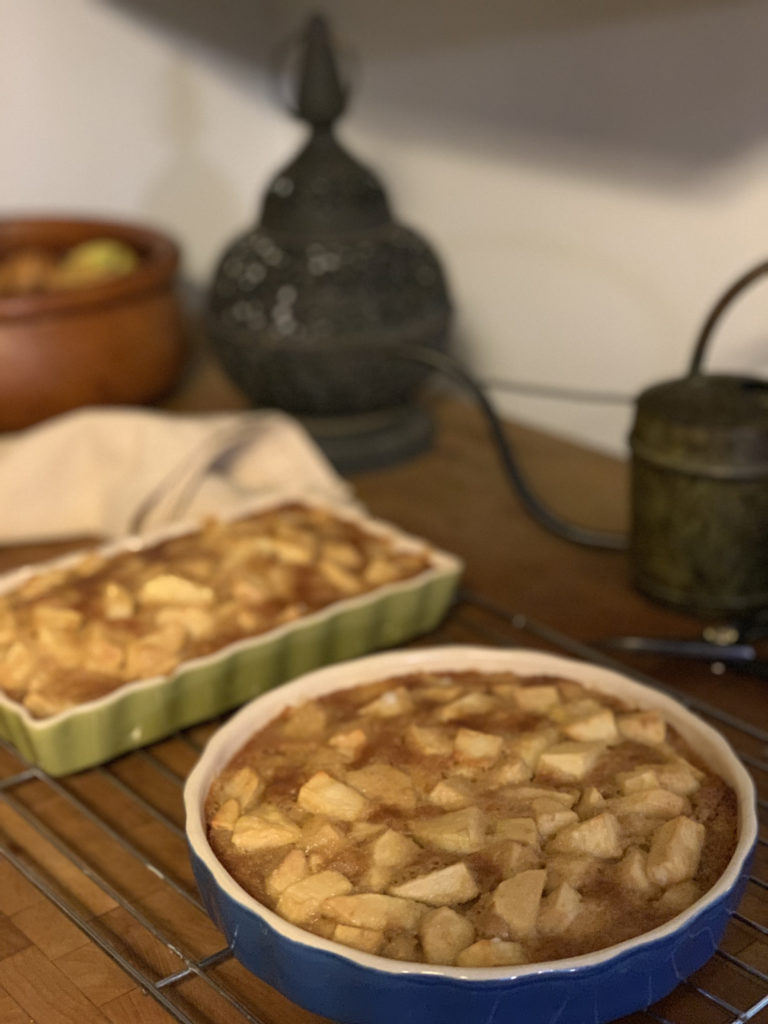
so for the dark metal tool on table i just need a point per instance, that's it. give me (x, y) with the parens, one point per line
(726, 645)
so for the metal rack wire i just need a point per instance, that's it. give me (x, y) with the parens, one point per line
(109, 824)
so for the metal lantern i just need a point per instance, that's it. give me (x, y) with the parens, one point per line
(305, 308)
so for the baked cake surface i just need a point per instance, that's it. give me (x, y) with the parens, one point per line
(76, 633)
(469, 818)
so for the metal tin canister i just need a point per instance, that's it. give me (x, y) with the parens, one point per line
(699, 494)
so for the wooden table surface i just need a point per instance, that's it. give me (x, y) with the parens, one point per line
(99, 916)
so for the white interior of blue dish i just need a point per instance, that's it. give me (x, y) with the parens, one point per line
(709, 744)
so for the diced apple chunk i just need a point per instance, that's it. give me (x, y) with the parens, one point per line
(392, 849)
(577, 869)
(341, 553)
(517, 900)
(292, 868)
(375, 910)
(265, 830)
(244, 785)
(634, 781)
(491, 953)
(551, 816)
(470, 745)
(512, 857)
(675, 851)
(599, 725)
(118, 601)
(632, 872)
(466, 706)
(537, 698)
(507, 772)
(452, 794)
(383, 784)
(521, 830)
(197, 622)
(592, 802)
(429, 740)
(442, 692)
(570, 710)
(344, 580)
(168, 588)
(530, 745)
(679, 776)
(362, 830)
(519, 795)
(52, 616)
(349, 742)
(18, 666)
(598, 836)
(506, 688)
(457, 832)
(444, 887)
(379, 571)
(390, 704)
(646, 727)
(305, 722)
(444, 933)
(368, 940)
(678, 897)
(226, 816)
(657, 803)
(319, 835)
(558, 909)
(570, 760)
(375, 878)
(302, 901)
(322, 794)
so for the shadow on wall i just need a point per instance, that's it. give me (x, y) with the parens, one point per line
(666, 87)
(247, 29)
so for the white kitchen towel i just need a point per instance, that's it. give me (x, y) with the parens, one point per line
(112, 471)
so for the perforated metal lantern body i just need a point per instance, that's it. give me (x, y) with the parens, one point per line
(304, 306)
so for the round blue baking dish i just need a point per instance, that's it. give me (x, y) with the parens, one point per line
(353, 987)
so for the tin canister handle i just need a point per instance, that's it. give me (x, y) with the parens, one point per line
(738, 286)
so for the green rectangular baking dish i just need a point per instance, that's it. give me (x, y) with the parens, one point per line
(142, 712)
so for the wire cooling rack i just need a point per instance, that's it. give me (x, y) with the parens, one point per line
(100, 858)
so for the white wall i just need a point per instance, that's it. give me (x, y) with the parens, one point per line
(593, 173)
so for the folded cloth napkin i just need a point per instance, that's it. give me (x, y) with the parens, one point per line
(113, 471)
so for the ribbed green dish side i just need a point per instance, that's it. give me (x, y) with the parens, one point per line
(141, 713)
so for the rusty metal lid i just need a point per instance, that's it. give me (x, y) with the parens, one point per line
(716, 425)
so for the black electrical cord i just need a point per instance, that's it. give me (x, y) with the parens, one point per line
(450, 367)
(436, 359)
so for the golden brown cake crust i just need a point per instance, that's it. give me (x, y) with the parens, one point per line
(472, 818)
(69, 635)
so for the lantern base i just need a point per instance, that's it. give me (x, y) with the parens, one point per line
(354, 443)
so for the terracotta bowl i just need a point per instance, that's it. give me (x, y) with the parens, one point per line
(117, 342)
